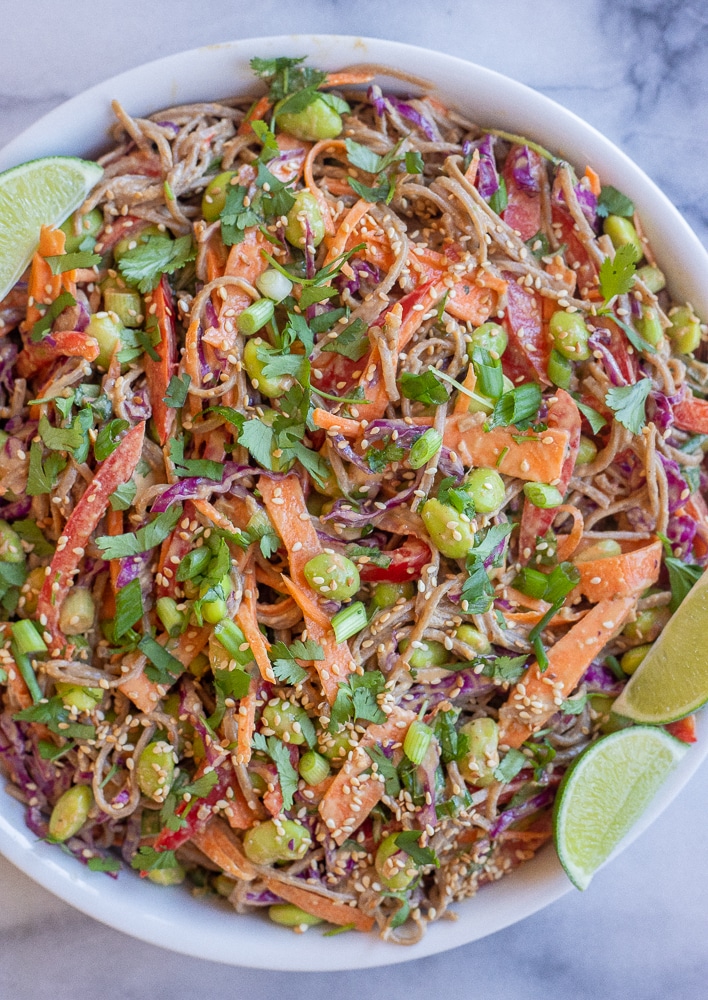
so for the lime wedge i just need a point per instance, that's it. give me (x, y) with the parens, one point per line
(605, 792)
(672, 680)
(41, 192)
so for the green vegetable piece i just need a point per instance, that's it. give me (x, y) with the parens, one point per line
(485, 404)
(490, 337)
(175, 875)
(289, 915)
(173, 619)
(313, 767)
(560, 369)
(271, 841)
(305, 222)
(417, 741)
(214, 609)
(125, 303)
(606, 549)
(647, 626)
(83, 699)
(26, 638)
(70, 813)
(78, 612)
(349, 621)
(155, 770)
(11, 550)
(214, 197)
(570, 335)
(336, 746)
(543, 495)
(109, 332)
(587, 451)
(274, 285)
(622, 233)
(652, 277)
(630, 660)
(234, 641)
(88, 226)
(486, 487)
(427, 445)
(255, 317)
(482, 759)
(286, 720)
(450, 531)
(395, 868)
(319, 120)
(332, 575)
(268, 386)
(428, 654)
(138, 239)
(685, 329)
(385, 595)
(649, 326)
(474, 638)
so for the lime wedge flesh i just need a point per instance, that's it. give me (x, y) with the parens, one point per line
(40, 192)
(605, 792)
(672, 680)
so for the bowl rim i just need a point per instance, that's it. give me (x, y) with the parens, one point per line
(172, 919)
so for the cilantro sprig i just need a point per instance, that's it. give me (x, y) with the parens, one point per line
(144, 265)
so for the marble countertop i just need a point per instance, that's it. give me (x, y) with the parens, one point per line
(638, 71)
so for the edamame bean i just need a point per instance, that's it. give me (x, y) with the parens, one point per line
(199, 665)
(332, 575)
(474, 638)
(482, 759)
(336, 746)
(131, 242)
(214, 609)
(174, 875)
(621, 231)
(319, 120)
(70, 812)
(428, 653)
(155, 770)
(289, 915)
(450, 531)
(486, 487)
(29, 592)
(587, 451)
(490, 337)
(631, 659)
(88, 225)
(647, 626)
(11, 550)
(395, 868)
(83, 699)
(286, 720)
(313, 767)
(78, 612)
(385, 595)
(305, 223)
(560, 369)
(276, 840)
(606, 549)
(652, 277)
(271, 386)
(649, 326)
(214, 197)
(685, 329)
(108, 330)
(570, 335)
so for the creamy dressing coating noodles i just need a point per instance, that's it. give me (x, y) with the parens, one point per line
(352, 460)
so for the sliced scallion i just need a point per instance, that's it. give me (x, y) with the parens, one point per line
(349, 621)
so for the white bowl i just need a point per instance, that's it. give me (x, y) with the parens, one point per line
(171, 917)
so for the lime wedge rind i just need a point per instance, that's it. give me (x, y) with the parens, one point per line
(672, 680)
(40, 192)
(605, 792)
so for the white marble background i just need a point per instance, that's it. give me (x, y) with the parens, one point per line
(638, 71)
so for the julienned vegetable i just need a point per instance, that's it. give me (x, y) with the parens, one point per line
(331, 530)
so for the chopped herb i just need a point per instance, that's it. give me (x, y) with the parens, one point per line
(50, 751)
(506, 669)
(353, 341)
(409, 842)
(283, 659)
(357, 699)
(368, 554)
(387, 769)
(456, 497)
(511, 763)
(42, 327)
(595, 419)
(164, 668)
(73, 439)
(144, 539)
(60, 263)
(98, 864)
(286, 76)
(500, 198)
(108, 438)
(148, 859)
(54, 714)
(188, 467)
(574, 706)
(424, 388)
(453, 744)
(613, 202)
(32, 535)
(682, 576)
(144, 265)
(378, 458)
(42, 476)
(129, 607)
(280, 755)
(414, 162)
(123, 496)
(177, 390)
(617, 274)
(539, 245)
(628, 404)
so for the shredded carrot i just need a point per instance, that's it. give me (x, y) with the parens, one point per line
(471, 172)
(288, 513)
(567, 544)
(320, 906)
(145, 693)
(44, 287)
(469, 382)
(534, 457)
(568, 660)
(247, 618)
(220, 845)
(594, 182)
(237, 810)
(337, 244)
(246, 723)
(348, 78)
(220, 520)
(620, 576)
(256, 112)
(329, 421)
(245, 261)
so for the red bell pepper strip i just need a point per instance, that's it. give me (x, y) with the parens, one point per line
(684, 729)
(691, 414)
(529, 346)
(406, 564)
(189, 812)
(160, 313)
(112, 473)
(523, 210)
(69, 343)
(535, 521)
(576, 256)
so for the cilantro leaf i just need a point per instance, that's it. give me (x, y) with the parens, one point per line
(144, 265)
(267, 137)
(507, 669)
(286, 75)
(283, 658)
(457, 498)
(129, 607)
(144, 539)
(353, 341)
(424, 388)
(42, 327)
(628, 404)
(148, 859)
(414, 162)
(177, 391)
(613, 202)
(30, 533)
(511, 763)
(363, 157)
(235, 216)
(595, 419)
(49, 751)
(682, 576)
(574, 706)
(453, 745)
(280, 755)
(617, 274)
(42, 476)
(371, 194)
(378, 458)
(73, 439)
(54, 714)
(500, 199)
(257, 437)
(409, 842)
(60, 263)
(387, 769)
(108, 438)
(201, 467)
(98, 864)
(260, 529)
(357, 699)
(164, 668)
(122, 497)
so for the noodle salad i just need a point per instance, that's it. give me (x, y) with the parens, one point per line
(351, 463)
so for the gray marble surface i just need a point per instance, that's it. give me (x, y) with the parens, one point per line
(638, 71)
